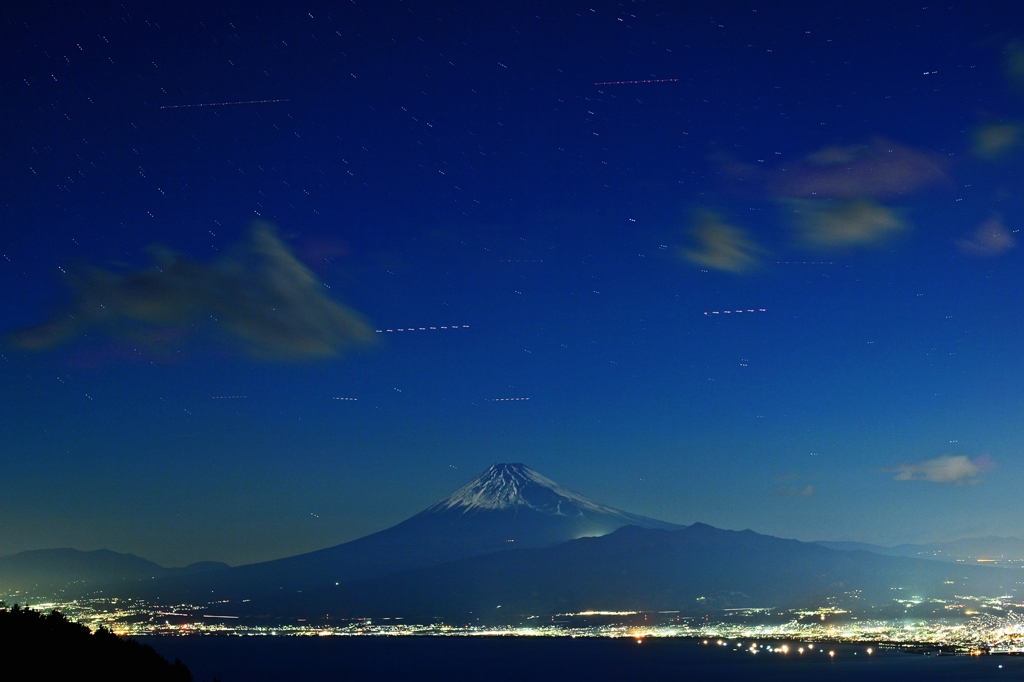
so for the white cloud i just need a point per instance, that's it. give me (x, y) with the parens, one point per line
(843, 224)
(990, 239)
(722, 246)
(795, 492)
(880, 169)
(946, 469)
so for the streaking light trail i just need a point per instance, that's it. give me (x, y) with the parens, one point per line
(649, 80)
(730, 312)
(505, 400)
(422, 329)
(222, 104)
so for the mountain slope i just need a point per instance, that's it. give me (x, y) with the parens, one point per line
(48, 570)
(693, 570)
(509, 506)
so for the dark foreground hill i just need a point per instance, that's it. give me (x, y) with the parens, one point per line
(508, 507)
(694, 570)
(51, 570)
(57, 649)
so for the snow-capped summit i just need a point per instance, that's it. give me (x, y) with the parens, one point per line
(508, 486)
(531, 509)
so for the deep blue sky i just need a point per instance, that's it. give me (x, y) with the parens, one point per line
(853, 168)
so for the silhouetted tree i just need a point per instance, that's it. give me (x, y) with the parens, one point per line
(56, 648)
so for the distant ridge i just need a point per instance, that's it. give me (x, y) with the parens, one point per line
(964, 549)
(49, 570)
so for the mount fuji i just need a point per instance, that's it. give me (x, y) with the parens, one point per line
(509, 506)
(512, 537)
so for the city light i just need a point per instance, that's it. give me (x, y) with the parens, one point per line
(997, 627)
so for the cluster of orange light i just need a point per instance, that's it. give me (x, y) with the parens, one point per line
(784, 649)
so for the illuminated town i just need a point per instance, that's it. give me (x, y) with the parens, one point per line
(969, 625)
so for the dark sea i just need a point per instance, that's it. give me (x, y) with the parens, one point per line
(257, 659)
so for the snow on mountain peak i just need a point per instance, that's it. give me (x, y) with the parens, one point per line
(507, 486)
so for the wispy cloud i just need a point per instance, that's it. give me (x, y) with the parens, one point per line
(1015, 63)
(260, 297)
(990, 239)
(794, 492)
(994, 140)
(881, 169)
(721, 246)
(842, 224)
(956, 469)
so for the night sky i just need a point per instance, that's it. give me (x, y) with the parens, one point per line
(191, 366)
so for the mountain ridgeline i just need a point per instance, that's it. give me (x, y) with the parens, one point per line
(512, 543)
(990, 549)
(693, 570)
(48, 571)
